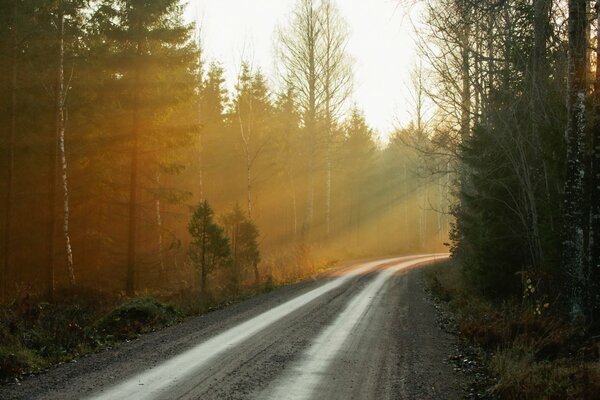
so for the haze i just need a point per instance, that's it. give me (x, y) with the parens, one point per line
(381, 43)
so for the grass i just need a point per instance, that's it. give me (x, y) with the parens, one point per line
(531, 355)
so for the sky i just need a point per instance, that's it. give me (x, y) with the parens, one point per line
(381, 44)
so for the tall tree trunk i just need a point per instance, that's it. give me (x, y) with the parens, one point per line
(60, 128)
(328, 185)
(594, 241)
(465, 95)
(311, 124)
(328, 177)
(294, 201)
(52, 187)
(10, 152)
(573, 242)
(200, 124)
(159, 224)
(246, 137)
(203, 260)
(133, 190)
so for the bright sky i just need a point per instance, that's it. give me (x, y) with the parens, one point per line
(381, 44)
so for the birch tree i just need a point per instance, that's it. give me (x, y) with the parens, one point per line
(336, 81)
(61, 97)
(298, 52)
(252, 108)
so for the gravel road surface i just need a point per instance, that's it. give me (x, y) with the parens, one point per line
(362, 331)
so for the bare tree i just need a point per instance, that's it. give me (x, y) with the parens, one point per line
(298, 52)
(336, 81)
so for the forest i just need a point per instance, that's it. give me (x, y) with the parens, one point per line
(131, 168)
(117, 129)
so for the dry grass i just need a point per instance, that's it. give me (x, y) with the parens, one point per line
(531, 356)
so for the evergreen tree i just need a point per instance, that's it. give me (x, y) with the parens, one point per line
(243, 235)
(144, 37)
(210, 247)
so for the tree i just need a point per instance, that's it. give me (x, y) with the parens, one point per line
(573, 258)
(336, 80)
(243, 235)
(298, 53)
(12, 14)
(145, 35)
(213, 98)
(509, 165)
(288, 153)
(594, 241)
(209, 247)
(358, 152)
(63, 10)
(253, 110)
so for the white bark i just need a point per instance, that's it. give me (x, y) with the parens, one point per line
(336, 80)
(298, 53)
(61, 111)
(246, 137)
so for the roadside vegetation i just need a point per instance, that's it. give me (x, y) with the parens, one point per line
(36, 334)
(530, 352)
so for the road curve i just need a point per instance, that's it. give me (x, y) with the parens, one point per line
(360, 332)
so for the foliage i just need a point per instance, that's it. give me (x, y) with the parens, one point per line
(209, 248)
(506, 128)
(532, 355)
(243, 239)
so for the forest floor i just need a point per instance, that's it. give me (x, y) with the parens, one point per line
(364, 331)
(518, 352)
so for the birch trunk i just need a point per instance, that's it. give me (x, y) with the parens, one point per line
(60, 127)
(245, 134)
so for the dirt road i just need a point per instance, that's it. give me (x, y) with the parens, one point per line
(364, 331)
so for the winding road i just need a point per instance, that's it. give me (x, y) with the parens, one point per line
(362, 331)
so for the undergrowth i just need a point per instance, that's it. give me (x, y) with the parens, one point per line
(36, 334)
(532, 355)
